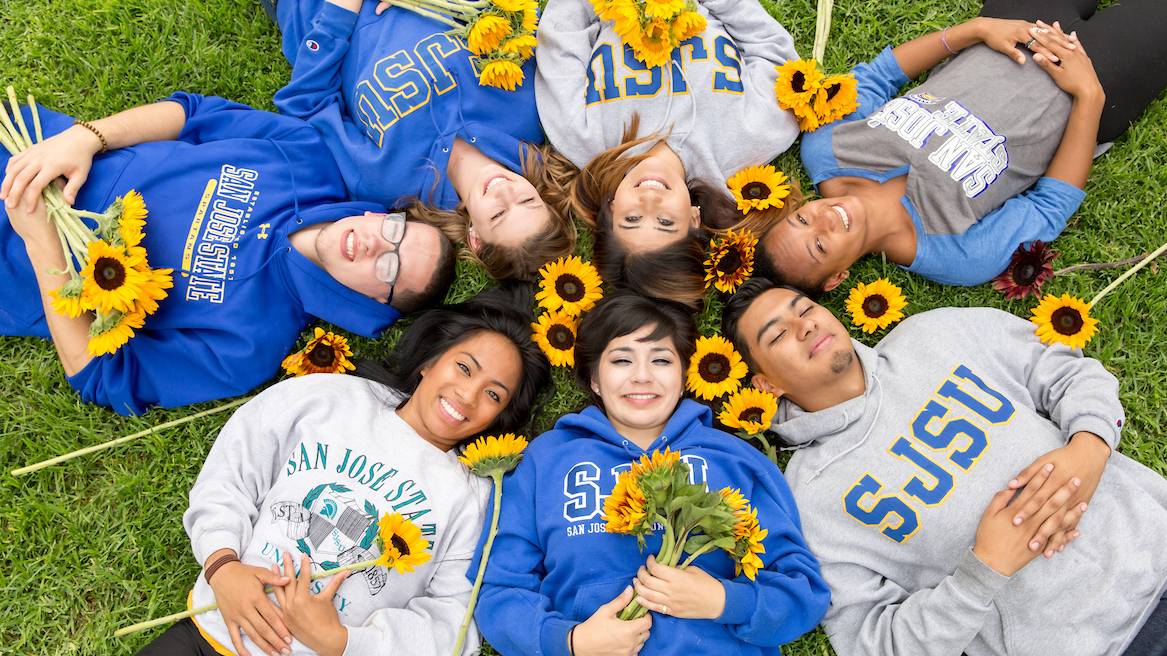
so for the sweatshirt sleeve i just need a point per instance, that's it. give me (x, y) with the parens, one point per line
(513, 615)
(878, 81)
(984, 250)
(210, 118)
(788, 596)
(567, 32)
(315, 83)
(870, 615)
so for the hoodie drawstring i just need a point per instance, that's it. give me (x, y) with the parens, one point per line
(866, 434)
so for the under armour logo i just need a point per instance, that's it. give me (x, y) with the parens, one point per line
(263, 231)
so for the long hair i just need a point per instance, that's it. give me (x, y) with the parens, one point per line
(436, 331)
(551, 174)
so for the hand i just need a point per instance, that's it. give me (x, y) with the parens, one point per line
(312, 618)
(1072, 71)
(604, 634)
(244, 606)
(1007, 547)
(69, 153)
(1008, 36)
(34, 227)
(1084, 457)
(381, 7)
(688, 593)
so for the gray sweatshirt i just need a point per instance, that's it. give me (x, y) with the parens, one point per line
(306, 468)
(892, 484)
(716, 95)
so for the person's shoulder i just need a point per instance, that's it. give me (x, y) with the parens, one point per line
(344, 388)
(947, 321)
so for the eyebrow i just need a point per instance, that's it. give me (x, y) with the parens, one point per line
(770, 324)
(479, 365)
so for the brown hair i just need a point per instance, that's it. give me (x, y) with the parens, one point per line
(551, 174)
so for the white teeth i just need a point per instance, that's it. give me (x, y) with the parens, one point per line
(497, 180)
(450, 409)
(843, 216)
(640, 396)
(652, 184)
(350, 245)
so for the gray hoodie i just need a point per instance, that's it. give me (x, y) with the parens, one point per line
(892, 484)
(716, 95)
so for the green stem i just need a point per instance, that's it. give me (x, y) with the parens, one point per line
(1130, 272)
(420, 10)
(635, 610)
(19, 116)
(36, 119)
(771, 451)
(497, 477)
(822, 28)
(693, 556)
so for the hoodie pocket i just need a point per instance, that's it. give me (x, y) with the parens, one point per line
(593, 595)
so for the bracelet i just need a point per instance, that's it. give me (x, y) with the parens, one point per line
(219, 562)
(571, 641)
(944, 40)
(88, 126)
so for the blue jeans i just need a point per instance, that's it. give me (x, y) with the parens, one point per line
(1152, 638)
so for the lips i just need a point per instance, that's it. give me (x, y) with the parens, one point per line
(451, 413)
(492, 182)
(820, 344)
(641, 398)
(843, 216)
(653, 183)
(348, 246)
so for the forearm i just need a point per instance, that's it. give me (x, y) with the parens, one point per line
(160, 121)
(70, 335)
(923, 53)
(1072, 161)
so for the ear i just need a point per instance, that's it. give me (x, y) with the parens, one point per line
(695, 217)
(836, 279)
(759, 381)
(595, 387)
(473, 240)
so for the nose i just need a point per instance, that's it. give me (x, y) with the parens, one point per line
(641, 373)
(824, 219)
(806, 328)
(650, 199)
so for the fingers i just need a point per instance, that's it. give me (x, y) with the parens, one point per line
(74, 186)
(1066, 530)
(1031, 489)
(333, 586)
(660, 571)
(273, 627)
(278, 590)
(1054, 508)
(20, 181)
(1024, 477)
(269, 578)
(237, 639)
(33, 193)
(264, 637)
(15, 163)
(652, 598)
(305, 578)
(1060, 46)
(381, 7)
(614, 606)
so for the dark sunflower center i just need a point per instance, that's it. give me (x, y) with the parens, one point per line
(755, 190)
(730, 262)
(560, 337)
(569, 288)
(108, 273)
(875, 306)
(833, 91)
(322, 355)
(400, 544)
(751, 414)
(714, 368)
(1067, 321)
(1026, 272)
(798, 82)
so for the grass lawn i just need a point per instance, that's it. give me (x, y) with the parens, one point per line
(98, 543)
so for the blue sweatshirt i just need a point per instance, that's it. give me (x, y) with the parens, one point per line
(222, 200)
(974, 141)
(553, 564)
(390, 93)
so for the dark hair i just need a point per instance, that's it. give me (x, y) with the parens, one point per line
(436, 331)
(623, 313)
(408, 302)
(738, 304)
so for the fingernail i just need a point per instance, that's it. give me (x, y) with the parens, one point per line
(1061, 548)
(1083, 507)
(1049, 467)
(1076, 481)
(1049, 553)
(1035, 545)
(1017, 520)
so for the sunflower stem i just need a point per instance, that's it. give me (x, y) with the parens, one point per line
(417, 8)
(771, 451)
(13, 135)
(1097, 266)
(36, 119)
(1130, 272)
(19, 116)
(693, 556)
(822, 28)
(497, 478)
(128, 438)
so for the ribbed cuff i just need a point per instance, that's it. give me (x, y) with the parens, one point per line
(553, 637)
(362, 640)
(1106, 428)
(740, 601)
(975, 578)
(212, 541)
(336, 21)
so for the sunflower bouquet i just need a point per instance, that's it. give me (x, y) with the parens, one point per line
(501, 33)
(568, 287)
(652, 28)
(656, 491)
(109, 274)
(815, 97)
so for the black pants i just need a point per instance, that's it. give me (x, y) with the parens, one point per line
(269, 8)
(181, 639)
(1127, 43)
(1152, 638)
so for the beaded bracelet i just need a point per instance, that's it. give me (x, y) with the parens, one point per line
(88, 126)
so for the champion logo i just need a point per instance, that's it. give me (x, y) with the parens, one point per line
(312, 45)
(1119, 423)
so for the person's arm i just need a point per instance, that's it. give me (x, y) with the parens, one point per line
(315, 85)
(762, 40)
(923, 53)
(568, 30)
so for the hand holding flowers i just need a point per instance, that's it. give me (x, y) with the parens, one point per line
(605, 634)
(688, 593)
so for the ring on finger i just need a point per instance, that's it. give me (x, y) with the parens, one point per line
(1029, 43)
(664, 610)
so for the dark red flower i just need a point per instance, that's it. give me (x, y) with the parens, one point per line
(1028, 270)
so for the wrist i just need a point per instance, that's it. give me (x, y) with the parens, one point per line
(968, 33)
(1088, 440)
(1092, 99)
(220, 560)
(991, 562)
(336, 642)
(87, 137)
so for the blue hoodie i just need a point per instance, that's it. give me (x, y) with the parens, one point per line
(222, 200)
(553, 565)
(390, 93)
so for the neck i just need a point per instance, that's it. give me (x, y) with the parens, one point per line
(641, 437)
(409, 414)
(889, 226)
(465, 161)
(850, 384)
(304, 241)
(662, 150)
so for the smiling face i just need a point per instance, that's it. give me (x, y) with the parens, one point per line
(505, 209)
(652, 207)
(464, 390)
(800, 349)
(815, 245)
(640, 383)
(348, 250)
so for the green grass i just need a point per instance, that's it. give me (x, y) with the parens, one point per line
(98, 543)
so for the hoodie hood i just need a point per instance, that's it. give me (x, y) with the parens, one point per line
(686, 420)
(798, 428)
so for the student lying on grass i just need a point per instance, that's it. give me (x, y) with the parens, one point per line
(300, 475)
(934, 469)
(248, 209)
(991, 152)
(397, 99)
(556, 579)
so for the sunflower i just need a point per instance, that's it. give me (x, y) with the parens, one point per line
(484, 35)
(1065, 320)
(522, 45)
(876, 306)
(326, 353)
(748, 536)
(112, 277)
(67, 300)
(654, 46)
(837, 97)
(758, 187)
(555, 334)
(731, 260)
(733, 498)
(750, 410)
(665, 9)
(655, 462)
(808, 121)
(494, 455)
(530, 17)
(109, 332)
(1028, 270)
(501, 74)
(154, 287)
(689, 24)
(570, 285)
(402, 547)
(797, 84)
(624, 508)
(715, 369)
(131, 218)
(509, 5)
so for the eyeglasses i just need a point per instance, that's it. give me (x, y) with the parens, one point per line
(388, 264)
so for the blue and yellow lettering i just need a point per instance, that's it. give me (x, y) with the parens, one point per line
(697, 52)
(610, 91)
(407, 86)
(729, 79)
(916, 487)
(582, 492)
(638, 85)
(373, 112)
(953, 390)
(430, 52)
(882, 511)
